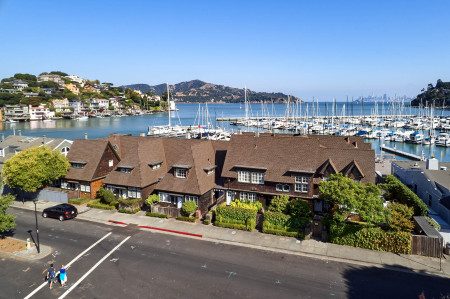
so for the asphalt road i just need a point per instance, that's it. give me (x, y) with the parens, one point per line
(155, 265)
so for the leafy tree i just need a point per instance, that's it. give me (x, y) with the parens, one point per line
(439, 84)
(6, 221)
(34, 168)
(58, 73)
(151, 199)
(26, 77)
(48, 84)
(9, 98)
(399, 219)
(350, 198)
(279, 204)
(6, 86)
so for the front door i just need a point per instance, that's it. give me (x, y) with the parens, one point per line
(179, 202)
(318, 205)
(229, 196)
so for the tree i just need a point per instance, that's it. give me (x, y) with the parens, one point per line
(58, 73)
(353, 198)
(439, 83)
(6, 221)
(299, 208)
(34, 168)
(188, 207)
(152, 199)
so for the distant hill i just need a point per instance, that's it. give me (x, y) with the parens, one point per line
(199, 92)
(439, 95)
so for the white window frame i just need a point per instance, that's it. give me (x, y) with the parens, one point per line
(243, 176)
(134, 192)
(111, 163)
(125, 170)
(156, 166)
(247, 196)
(78, 165)
(181, 173)
(85, 187)
(2, 152)
(191, 198)
(64, 184)
(302, 184)
(164, 197)
(258, 178)
(286, 188)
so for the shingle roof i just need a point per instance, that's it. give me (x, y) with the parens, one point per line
(89, 151)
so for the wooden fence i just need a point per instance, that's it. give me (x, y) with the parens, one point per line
(427, 246)
(172, 212)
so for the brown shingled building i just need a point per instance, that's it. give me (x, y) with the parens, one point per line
(249, 166)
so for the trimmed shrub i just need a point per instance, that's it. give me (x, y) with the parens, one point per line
(247, 205)
(108, 197)
(206, 221)
(235, 213)
(129, 202)
(279, 204)
(283, 220)
(373, 238)
(397, 190)
(299, 208)
(129, 211)
(98, 205)
(231, 225)
(79, 201)
(188, 219)
(157, 215)
(188, 208)
(281, 231)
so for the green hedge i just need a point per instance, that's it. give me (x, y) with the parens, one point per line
(206, 221)
(373, 238)
(129, 211)
(280, 219)
(188, 219)
(129, 202)
(235, 213)
(98, 205)
(157, 215)
(249, 224)
(402, 193)
(79, 201)
(268, 228)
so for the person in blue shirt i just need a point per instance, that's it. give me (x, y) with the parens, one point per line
(63, 275)
(51, 276)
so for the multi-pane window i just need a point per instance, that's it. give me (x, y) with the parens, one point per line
(64, 184)
(247, 196)
(258, 178)
(134, 192)
(125, 170)
(156, 166)
(164, 197)
(302, 184)
(2, 153)
(180, 173)
(283, 188)
(243, 176)
(77, 165)
(111, 163)
(279, 187)
(191, 198)
(85, 188)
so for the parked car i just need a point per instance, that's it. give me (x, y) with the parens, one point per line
(62, 212)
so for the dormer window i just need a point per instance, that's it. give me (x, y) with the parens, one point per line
(155, 165)
(180, 173)
(209, 169)
(125, 169)
(244, 176)
(78, 164)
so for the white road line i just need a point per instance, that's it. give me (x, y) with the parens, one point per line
(70, 263)
(92, 269)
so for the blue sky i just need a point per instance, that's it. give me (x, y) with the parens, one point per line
(326, 49)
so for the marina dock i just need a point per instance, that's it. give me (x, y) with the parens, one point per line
(400, 153)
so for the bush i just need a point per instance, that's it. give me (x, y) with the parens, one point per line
(188, 219)
(79, 201)
(283, 220)
(397, 190)
(129, 202)
(373, 238)
(397, 222)
(152, 199)
(279, 204)
(106, 196)
(157, 215)
(299, 208)
(235, 213)
(98, 205)
(247, 205)
(129, 211)
(188, 208)
(231, 225)
(206, 221)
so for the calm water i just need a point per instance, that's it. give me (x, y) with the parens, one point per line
(188, 114)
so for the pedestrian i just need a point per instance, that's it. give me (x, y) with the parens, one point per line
(51, 276)
(63, 275)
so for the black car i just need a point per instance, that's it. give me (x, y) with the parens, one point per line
(62, 212)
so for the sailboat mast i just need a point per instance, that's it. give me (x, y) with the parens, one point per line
(168, 102)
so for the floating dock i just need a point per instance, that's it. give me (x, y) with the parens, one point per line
(400, 153)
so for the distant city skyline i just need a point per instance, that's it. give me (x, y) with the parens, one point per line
(321, 49)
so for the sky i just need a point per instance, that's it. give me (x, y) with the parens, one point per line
(322, 49)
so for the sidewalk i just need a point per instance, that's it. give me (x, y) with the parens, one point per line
(310, 248)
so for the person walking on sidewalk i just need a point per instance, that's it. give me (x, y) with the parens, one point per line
(63, 275)
(51, 276)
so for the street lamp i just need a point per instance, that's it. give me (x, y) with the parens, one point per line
(37, 227)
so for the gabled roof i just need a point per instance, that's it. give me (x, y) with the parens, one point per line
(88, 151)
(347, 170)
(328, 163)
